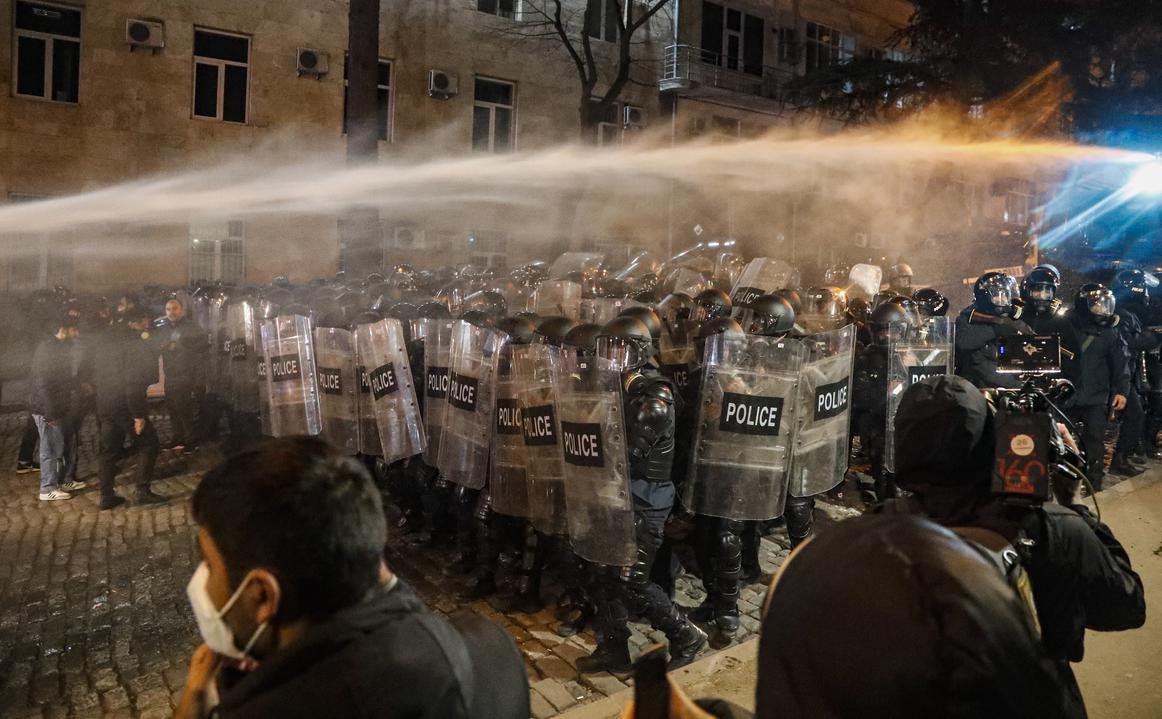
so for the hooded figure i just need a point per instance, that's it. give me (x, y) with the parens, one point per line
(890, 616)
(1080, 574)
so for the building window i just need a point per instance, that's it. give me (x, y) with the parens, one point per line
(1018, 200)
(35, 261)
(217, 252)
(493, 116)
(609, 129)
(47, 51)
(488, 249)
(382, 99)
(501, 8)
(732, 39)
(601, 19)
(221, 75)
(827, 46)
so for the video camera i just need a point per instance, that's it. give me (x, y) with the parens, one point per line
(1030, 446)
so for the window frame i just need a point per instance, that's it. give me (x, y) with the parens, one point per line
(217, 253)
(492, 107)
(50, 42)
(603, 21)
(389, 131)
(842, 53)
(499, 12)
(221, 65)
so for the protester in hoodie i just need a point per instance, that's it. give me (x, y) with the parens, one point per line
(301, 617)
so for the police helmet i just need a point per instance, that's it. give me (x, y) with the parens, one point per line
(994, 293)
(711, 304)
(626, 343)
(931, 302)
(552, 330)
(583, 337)
(1039, 287)
(486, 301)
(1132, 287)
(647, 316)
(519, 329)
(771, 316)
(890, 322)
(1095, 302)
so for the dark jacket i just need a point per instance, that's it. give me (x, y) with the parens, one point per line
(1094, 359)
(1139, 341)
(387, 657)
(124, 366)
(54, 389)
(976, 347)
(184, 352)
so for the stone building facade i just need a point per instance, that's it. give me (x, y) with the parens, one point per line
(85, 103)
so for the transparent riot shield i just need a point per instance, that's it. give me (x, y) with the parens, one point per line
(676, 355)
(762, 276)
(218, 372)
(599, 310)
(557, 298)
(368, 429)
(921, 353)
(468, 414)
(508, 482)
(535, 366)
(571, 262)
(243, 382)
(741, 456)
(437, 345)
(335, 369)
(259, 368)
(392, 390)
(819, 459)
(596, 461)
(288, 345)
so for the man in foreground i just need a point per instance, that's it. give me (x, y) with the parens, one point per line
(302, 618)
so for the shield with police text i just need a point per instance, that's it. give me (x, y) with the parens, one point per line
(557, 298)
(741, 456)
(437, 346)
(596, 460)
(535, 368)
(762, 276)
(367, 426)
(290, 359)
(919, 354)
(259, 368)
(509, 479)
(218, 371)
(468, 411)
(392, 390)
(823, 412)
(676, 356)
(243, 382)
(335, 372)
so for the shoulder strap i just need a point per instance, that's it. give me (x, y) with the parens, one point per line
(454, 647)
(994, 547)
(499, 669)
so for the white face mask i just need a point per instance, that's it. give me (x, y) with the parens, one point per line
(215, 633)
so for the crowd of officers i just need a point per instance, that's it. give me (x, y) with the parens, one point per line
(104, 358)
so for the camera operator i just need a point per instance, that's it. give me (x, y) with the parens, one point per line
(1080, 575)
(1095, 360)
(992, 316)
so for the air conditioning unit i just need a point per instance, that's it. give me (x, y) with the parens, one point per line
(313, 62)
(148, 34)
(442, 85)
(407, 238)
(861, 239)
(634, 118)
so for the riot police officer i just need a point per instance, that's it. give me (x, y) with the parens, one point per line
(980, 326)
(1094, 359)
(889, 323)
(1039, 293)
(900, 278)
(650, 420)
(1131, 290)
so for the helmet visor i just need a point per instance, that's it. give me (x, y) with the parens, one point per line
(1041, 292)
(622, 353)
(1100, 303)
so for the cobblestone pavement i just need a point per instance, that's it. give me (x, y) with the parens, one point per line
(94, 619)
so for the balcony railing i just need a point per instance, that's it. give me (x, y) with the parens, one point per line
(689, 68)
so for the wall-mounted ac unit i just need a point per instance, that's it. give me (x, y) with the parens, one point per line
(442, 85)
(312, 62)
(408, 238)
(148, 34)
(634, 118)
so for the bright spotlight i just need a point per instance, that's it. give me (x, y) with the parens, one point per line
(1146, 180)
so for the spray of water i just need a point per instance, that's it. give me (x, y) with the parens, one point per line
(891, 182)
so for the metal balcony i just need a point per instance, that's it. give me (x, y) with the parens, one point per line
(699, 74)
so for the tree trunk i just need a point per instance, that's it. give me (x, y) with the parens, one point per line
(360, 235)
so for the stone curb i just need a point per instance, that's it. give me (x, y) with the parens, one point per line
(700, 672)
